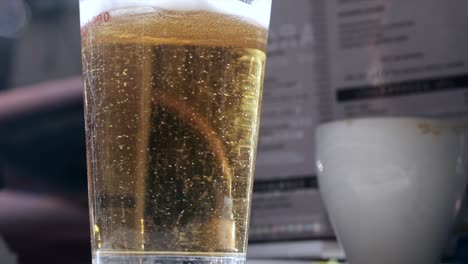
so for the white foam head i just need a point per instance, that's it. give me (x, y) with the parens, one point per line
(258, 12)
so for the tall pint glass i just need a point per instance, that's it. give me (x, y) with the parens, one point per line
(172, 95)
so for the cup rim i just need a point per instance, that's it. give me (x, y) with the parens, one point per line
(442, 122)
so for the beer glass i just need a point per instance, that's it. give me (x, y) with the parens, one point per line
(172, 97)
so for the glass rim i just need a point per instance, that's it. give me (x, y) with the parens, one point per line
(254, 11)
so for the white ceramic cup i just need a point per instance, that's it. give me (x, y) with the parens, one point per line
(392, 186)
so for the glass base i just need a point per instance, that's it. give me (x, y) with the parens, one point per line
(151, 259)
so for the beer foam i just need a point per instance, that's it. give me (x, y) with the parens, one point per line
(258, 12)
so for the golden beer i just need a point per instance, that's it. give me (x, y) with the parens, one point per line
(172, 116)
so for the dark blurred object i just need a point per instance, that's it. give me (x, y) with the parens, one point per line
(42, 135)
(43, 208)
(48, 46)
(50, 8)
(44, 228)
(6, 57)
(462, 251)
(14, 16)
(2, 181)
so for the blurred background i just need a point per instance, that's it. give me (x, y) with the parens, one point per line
(43, 195)
(43, 205)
